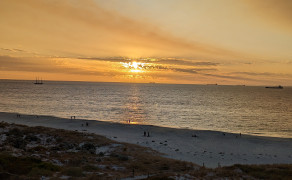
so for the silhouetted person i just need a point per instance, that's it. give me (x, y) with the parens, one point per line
(144, 133)
(148, 134)
(86, 123)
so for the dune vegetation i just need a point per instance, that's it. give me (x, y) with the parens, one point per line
(36, 152)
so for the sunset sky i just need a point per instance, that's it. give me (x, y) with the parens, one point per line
(163, 41)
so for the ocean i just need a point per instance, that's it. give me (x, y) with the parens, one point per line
(250, 110)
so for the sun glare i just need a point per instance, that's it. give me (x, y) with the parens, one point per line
(134, 66)
(136, 70)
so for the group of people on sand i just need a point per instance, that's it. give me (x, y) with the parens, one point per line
(73, 117)
(235, 136)
(146, 134)
(224, 134)
(85, 124)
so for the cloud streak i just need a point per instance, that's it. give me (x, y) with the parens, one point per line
(43, 65)
(120, 73)
(12, 50)
(265, 74)
(170, 61)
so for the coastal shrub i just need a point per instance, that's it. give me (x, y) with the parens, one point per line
(38, 148)
(3, 124)
(15, 132)
(90, 168)
(161, 177)
(222, 172)
(185, 166)
(99, 176)
(74, 172)
(55, 148)
(16, 142)
(276, 171)
(123, 158)
(59, 139)
(75, 162)
(120, 157)
(66, 146)
(201, 172)
(32, 138)
(39, 172)
(49, 140)
(5, 175)
(24, 165)
(147, 162)
(47, 166)
(164, 167)
(89, 147)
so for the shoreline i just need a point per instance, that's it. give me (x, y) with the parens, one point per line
(202, 147)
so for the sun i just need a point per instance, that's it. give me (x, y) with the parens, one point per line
(134, 66)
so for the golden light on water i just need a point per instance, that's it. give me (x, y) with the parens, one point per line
(133, 122)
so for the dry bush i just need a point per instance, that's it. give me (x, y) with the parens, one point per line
(275, 171)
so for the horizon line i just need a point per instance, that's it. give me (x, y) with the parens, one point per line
(207, 84)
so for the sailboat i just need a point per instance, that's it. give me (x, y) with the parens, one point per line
(275, 87)
(38, 81)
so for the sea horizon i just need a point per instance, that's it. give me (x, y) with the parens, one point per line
(207, 84)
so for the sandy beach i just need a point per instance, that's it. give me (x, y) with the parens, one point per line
(208, 148)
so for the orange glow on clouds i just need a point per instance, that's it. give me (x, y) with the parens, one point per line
(135, 67)
(191, 42)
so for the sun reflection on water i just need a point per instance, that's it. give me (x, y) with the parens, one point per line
(134, 112)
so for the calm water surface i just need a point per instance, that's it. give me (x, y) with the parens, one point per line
(250, 110)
